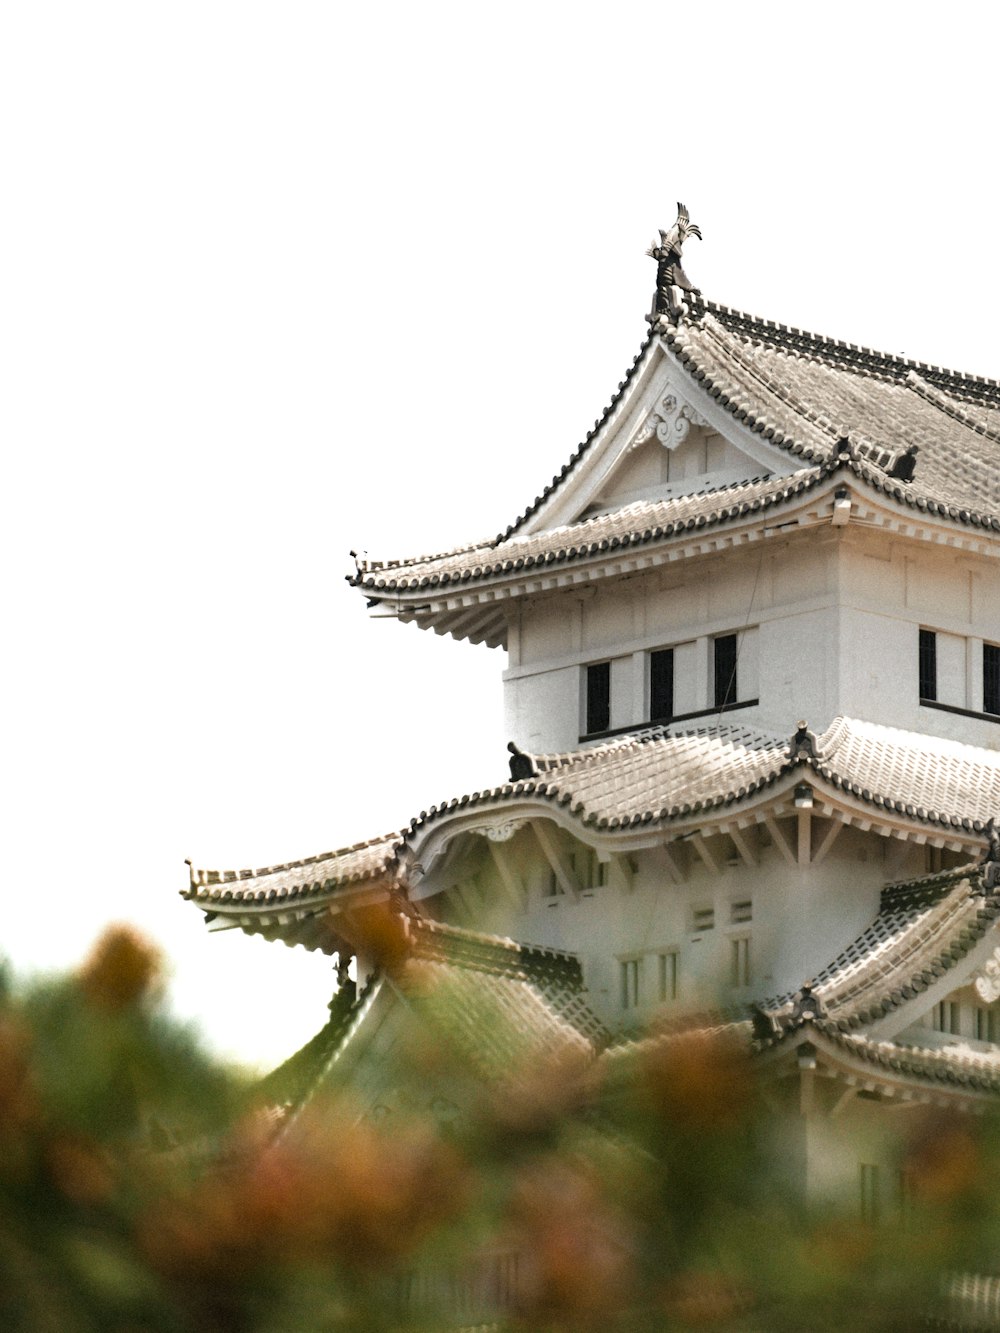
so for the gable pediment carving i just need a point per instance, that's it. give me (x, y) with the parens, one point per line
(669, 423)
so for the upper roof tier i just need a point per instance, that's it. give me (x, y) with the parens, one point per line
(800, 414)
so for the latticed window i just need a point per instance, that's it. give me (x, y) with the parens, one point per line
(739, 961)
(991, 678)
(598, 697)
(669, 975)
(928, 665)
(945, 1017)
(661, 685)
(868, 1180)
(631, 976)
(703, 918)
(986, 1024)
(741, 911)
(725, 670)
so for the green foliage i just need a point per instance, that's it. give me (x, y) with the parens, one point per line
(143, 1188)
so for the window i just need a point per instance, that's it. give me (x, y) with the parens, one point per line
(661, 685)
(702, 918)
(630, 982)
(928, 664)
(725, 670)
(991, 678)
(739, 961)
(741, 912)
(668, 975)
(945, 1017)
(869, 1192)
(986, 1024)
(598, 697)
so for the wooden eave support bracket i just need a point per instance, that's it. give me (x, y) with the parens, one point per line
(830, 837)
(674, 868)
(701, 847)
(779, 840)
(557, 859)
(510, 880)
(621, 872)
(741, 841)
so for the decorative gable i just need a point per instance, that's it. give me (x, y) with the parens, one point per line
(664, 437)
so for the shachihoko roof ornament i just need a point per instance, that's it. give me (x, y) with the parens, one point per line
(671, 280)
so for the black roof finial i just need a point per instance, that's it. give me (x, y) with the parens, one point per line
(803, 743)
(671, 280)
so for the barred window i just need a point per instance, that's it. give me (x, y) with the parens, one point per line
(598, 697)
(928, 665)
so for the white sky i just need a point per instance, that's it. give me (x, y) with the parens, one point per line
(281, 280)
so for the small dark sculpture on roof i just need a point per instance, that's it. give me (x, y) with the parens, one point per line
(764, 1026)
(807, 1005)
(671, 280)
(904, 464)
(803, 743)
(522, 766)
(991, 859)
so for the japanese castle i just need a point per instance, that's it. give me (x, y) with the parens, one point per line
(752, 686)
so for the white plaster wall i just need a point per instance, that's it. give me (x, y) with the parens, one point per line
(542, 711)
(801, 917)
(834, 620)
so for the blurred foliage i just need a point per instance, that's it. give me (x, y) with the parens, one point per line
(143, 1187)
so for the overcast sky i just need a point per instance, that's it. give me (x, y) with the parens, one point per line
(280, 280)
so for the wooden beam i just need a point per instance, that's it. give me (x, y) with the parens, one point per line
(843, 1101)
(742, 843)
(832, 834)
(510, 880)
(620, 872)
(805, 837)
(701, 847)
(675, 869)
(779, 840)
(557, 859)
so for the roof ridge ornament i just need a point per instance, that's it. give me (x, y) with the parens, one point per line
(991, 858)
(671, 280)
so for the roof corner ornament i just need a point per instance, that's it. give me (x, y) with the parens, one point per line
(803, 743)
(522, 766)
(671, 280)
(807, 1005)
(991, 858)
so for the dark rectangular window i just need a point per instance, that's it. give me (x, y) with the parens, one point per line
(991, 678)
(725, 670)
(928, 664)
(598, 697)
(661, 685)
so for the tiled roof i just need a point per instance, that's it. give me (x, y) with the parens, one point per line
(503, 1005)
(807, 391)
(635, 525)
(924, 927)
(292, 879)
(799, 391)
(655, 775)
